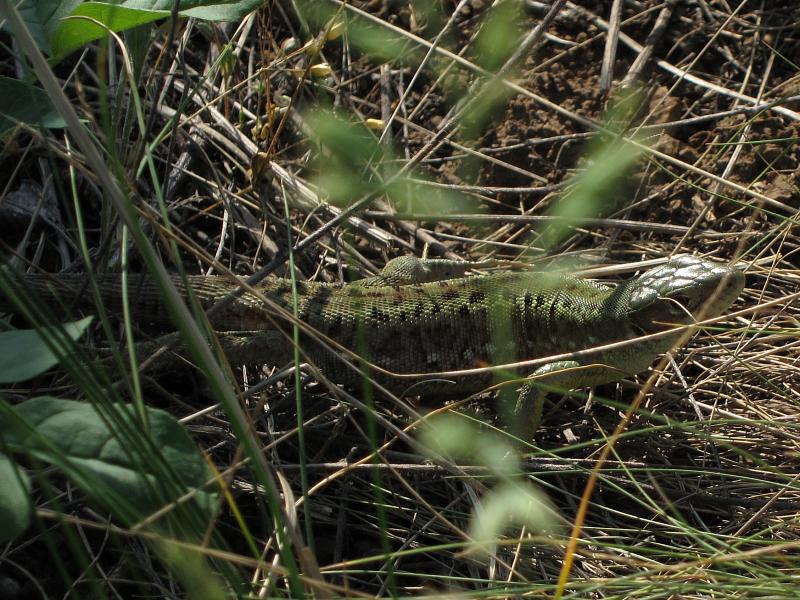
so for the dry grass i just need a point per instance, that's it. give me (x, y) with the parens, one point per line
(700, 496)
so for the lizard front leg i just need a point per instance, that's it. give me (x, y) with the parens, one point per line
(562, 375)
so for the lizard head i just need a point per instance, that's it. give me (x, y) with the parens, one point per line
(680, 291)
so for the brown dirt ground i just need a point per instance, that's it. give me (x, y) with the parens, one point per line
(692, 467)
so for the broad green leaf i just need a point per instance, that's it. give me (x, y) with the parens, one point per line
(79, 28)
(460, 438)
(599, 187)
(91, 20)
(191, 566)
(414, 196)
(499, 35)
(450, 434)
(511, 503)
(351, 150)
(219, 11)
(105, 457)
(22, 102)
(379, 44)
(25, 354)
(43, 16)
(15, 500)
(349, 142)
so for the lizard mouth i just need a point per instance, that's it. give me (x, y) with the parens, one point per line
(665, 313)
(713, 299)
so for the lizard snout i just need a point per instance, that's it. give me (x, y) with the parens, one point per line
(684, 289)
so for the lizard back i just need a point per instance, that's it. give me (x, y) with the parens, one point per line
(434, 327)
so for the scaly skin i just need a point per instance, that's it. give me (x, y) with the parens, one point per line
(450, 322)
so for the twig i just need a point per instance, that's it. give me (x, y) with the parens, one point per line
(610, 52)
(659, 27)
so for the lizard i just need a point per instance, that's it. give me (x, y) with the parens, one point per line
(425, 326)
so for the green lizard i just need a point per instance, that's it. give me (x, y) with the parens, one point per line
(426, 328)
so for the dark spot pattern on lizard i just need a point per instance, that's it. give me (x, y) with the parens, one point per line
(335, 326)
(283, 288)
(316, 303)
(453, 326)
(379, 316)
(553, 314)
(450, 295)
(477, 297)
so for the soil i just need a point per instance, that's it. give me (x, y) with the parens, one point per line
(710, 176)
